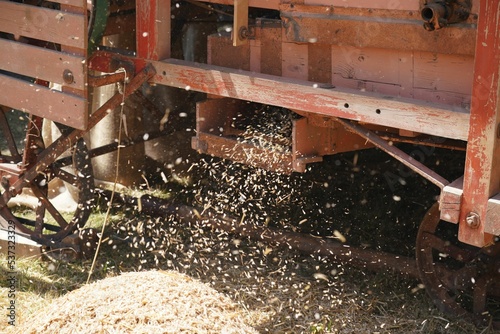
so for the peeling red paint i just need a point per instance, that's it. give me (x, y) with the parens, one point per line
(482, 169)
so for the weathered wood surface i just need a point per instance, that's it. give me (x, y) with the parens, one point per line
(41, 101)
(402, 113)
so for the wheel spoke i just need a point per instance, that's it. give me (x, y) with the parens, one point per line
(445, 248)
(9, 137)
(480, 292)
(66, 177)
(47, 206)
(459, 279)
(39, 219)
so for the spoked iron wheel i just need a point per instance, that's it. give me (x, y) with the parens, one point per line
(45, 221)
(461, 279)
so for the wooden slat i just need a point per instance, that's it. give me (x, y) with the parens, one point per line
(401, 113)
(269, 4)
(43, 24)
(75, 3)
(41, 101)
(40, 63)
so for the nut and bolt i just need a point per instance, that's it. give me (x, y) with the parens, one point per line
(68, 77)
(472, 220)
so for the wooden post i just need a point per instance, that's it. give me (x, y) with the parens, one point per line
(482, 166)
(153, 29)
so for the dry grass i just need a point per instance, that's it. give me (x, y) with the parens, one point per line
(141, 302)
(276, 290)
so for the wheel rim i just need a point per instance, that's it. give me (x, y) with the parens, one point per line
(45, 222)
(461, 279)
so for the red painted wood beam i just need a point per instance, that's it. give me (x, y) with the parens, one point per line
(153, 29)
(482, 167)
(396, 112)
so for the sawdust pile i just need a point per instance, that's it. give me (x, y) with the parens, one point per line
(141, 302)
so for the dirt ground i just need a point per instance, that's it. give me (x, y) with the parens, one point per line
(366, 198)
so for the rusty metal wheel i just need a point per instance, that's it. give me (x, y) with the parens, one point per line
(37, 211)
(461, 279)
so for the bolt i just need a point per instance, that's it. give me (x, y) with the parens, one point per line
(244, 33)
(68, 77)
(472, 220)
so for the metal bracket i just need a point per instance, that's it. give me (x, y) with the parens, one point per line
(240, 23)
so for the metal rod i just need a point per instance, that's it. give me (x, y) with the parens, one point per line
(396, 153)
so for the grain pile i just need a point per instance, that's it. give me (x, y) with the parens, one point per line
(141, 302)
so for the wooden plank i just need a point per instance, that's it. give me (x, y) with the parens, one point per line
(43, 24)
(269, 4)
(270, 38)
(221, 52)
(320, 63)
(82, 52)
(444, 97)
(245, 153)
(433, 77)
(482, 162)
(310, 143)
(255, 55)
(74, 3)
(359, 68)
(41, 101)
(380, 4)
(375, 28)
(493, 215)
(40, 63)
(153, 29)
(450, 200)
(441, 72)
(295, 61)
(401, 113)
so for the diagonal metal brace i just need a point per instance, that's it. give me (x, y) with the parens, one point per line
(396, 153)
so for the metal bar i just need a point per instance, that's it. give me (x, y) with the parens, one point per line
(9, 137)
(396, 153)
(482, 164)
(105, 149)
(401, 113)
(107, 79)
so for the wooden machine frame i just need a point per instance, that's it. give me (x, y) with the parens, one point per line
(473, 201)
(359, 73)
